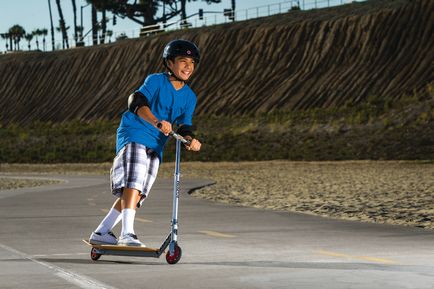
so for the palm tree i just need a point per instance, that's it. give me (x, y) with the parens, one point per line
(62, 25)
(52, 27)
(80, 30)
(61, 30)
(103, 25)
(44, 32)
(109, 35)
(29, 38)
(74, 9)
(37, 33)
(17, 32)
(94, 26)
(183, 13)
(233, 9)
(101, 5)
(6, 37)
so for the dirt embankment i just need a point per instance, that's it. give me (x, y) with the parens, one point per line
(298, 60)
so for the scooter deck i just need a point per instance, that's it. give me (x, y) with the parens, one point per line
(121, 247)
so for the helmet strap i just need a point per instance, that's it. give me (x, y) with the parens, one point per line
(172, 74)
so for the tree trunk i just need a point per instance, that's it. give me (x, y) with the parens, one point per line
(52, 26)
(74, 9)
(233, 10)
(94, 26)
(103, 26)
(62, 25)
(148, 14)
(183, 13)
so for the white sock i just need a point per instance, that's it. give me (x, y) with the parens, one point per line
(111, 219)
(118, 219)
(128, 216)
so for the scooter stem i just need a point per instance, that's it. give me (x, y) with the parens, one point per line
(176, 188)
(177, 176)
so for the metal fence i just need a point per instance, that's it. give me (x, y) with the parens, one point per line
(208, 19)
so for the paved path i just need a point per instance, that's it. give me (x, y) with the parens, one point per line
(223, 246)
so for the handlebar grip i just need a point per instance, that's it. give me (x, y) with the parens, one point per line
(175, 135)
(180, 137)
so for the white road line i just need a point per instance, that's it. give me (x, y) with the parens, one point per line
(53, 255)
(71, 277)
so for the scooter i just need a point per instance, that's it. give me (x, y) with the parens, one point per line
(174, 254)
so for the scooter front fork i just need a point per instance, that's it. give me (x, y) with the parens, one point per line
(174, 237)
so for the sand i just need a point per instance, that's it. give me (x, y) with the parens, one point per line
(7, 183)
(392, 192)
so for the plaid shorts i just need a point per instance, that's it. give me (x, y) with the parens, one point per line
(134, 167)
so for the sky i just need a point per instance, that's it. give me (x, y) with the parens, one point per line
(34, 14)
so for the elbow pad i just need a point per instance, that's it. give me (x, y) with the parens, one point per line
(186, 130)
(136, 101)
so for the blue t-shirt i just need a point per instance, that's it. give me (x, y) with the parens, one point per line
(166, 103)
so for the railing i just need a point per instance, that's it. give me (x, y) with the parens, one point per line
(208, 20)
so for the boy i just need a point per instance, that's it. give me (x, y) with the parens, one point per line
(163, 99)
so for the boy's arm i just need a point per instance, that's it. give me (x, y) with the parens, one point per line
(187, 132)
(146, 113)
(138, 104)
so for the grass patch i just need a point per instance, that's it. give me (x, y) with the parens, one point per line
(376, 129)
(58, 142)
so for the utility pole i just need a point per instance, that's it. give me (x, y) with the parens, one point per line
(81, 42)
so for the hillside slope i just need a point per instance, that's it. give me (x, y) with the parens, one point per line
(302, 59)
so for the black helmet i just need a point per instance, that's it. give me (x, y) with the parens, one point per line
(181, 47)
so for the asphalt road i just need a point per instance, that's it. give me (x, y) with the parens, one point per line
(223, 246)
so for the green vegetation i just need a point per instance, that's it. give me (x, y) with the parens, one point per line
(377, 129)
(60, 142)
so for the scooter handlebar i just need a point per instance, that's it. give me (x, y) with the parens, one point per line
(176, 136)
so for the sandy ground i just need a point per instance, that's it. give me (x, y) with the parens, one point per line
(393, 192)
(7, 183)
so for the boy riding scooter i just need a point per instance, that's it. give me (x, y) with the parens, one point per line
(163, 100)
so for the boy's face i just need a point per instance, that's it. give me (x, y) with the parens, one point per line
(182, 66)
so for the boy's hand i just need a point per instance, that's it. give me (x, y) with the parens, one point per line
(194, 145)
(165, 127)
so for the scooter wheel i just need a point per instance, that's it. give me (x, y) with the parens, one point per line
(173, 259)
(94, 255)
